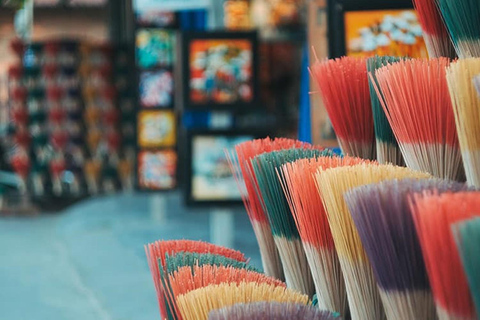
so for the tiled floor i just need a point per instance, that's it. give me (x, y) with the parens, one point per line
(88, 262)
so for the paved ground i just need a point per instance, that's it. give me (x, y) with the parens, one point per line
(88, 262)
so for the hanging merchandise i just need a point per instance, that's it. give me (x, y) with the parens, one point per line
(66, 116)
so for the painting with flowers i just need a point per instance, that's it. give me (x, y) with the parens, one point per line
(384, 32)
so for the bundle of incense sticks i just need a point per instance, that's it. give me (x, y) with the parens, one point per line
(435, 33)
(266, 167)
(241, 167)
(271, 311)
(462, 19)
(156, 255)
(190, 260)
(189, 278)
(388, 150)
(434, 214)
(312, 223)
(197, 304)
(362, 292)
(466, 106)
(343, 85)
(418, 107)
(467, 234)
(384, 221)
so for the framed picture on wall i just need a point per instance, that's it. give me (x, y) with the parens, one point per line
(219, 70)
(156, 129)
(156, 88)
(157, 169)
(374, 27)
(384, 32)
(208, 177)
(155, 48)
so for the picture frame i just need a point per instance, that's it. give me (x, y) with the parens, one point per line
(208, 180)
(157, 170)
(222, 70)
(156, 129)
(155, 47)
(156, 88)
(338, 9)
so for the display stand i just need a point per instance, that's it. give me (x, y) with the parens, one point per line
(158, 207)
(222, 227)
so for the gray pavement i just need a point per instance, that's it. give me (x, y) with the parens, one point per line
(88, 262)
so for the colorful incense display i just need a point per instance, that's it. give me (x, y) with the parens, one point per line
(434, 215)
(418, 108)
(466, 107)
(311, 220)
(228, 294)
(266, 167)
(467, 234)
(462, 19)
(343, 85)
(271, 311)
(435, 33)
(388, 150)
(384, 221)
(157, 255)
(242, 170)
(362, 292)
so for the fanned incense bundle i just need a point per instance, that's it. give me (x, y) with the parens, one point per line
(462, 19)
(271, 311)
(419, 109)
(310, 218)
(190, 260)
(285, 233)
(434, 214)
(241, 167)
(156, 253)
(388, 150)
(343, 85)
(382, 215)
(435, 33)
(466, 106)
(197, 304)
(467, 234)
(362, 292)
(186, 279)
